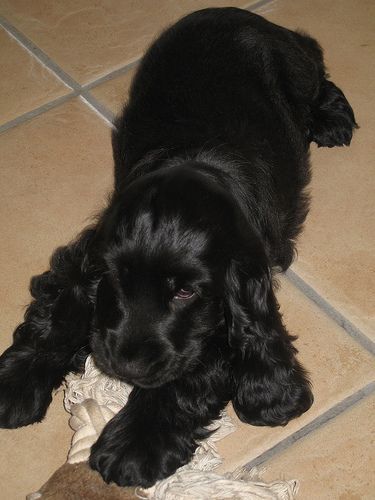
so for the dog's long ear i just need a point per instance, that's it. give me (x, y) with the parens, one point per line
(270, 385)
(333, 119)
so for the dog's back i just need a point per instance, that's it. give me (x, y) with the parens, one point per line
(229, 82)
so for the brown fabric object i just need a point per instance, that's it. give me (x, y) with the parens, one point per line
(76, 481)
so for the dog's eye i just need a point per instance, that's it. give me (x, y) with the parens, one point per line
(184, 294)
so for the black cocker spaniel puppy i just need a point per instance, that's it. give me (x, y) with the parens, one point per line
(171, 289)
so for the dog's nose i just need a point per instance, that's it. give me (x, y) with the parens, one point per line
(143, 368)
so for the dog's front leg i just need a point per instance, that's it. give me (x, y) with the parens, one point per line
(158, 429)
(53, 338)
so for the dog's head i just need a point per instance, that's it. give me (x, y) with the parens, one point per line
(170, 242)
(182, 265)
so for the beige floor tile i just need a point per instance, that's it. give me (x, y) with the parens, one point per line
(56, 171)
(337, 364)
(89, 39)
(30, 455)
(335, 462)
(114, 93)
(25, 84)
(337, 250)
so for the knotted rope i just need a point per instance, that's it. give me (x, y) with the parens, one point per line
(93, 399)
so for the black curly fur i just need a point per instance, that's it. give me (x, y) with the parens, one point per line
(171, 290)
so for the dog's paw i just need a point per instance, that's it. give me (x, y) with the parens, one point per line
(274, 403)
(25, 393)
(134, 458)
(277, 412)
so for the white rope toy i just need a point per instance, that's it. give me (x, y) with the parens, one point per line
(93, 399)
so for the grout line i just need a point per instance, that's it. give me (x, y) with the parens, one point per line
(98, 107)
(111, 75)
(48, 63)
(331, 311)
(257, 5)
(315, 424)
(38, 53)
(37, 111)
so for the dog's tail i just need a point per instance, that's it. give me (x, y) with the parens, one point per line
(333, 119)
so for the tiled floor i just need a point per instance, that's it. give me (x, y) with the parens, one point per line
(65, 69)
